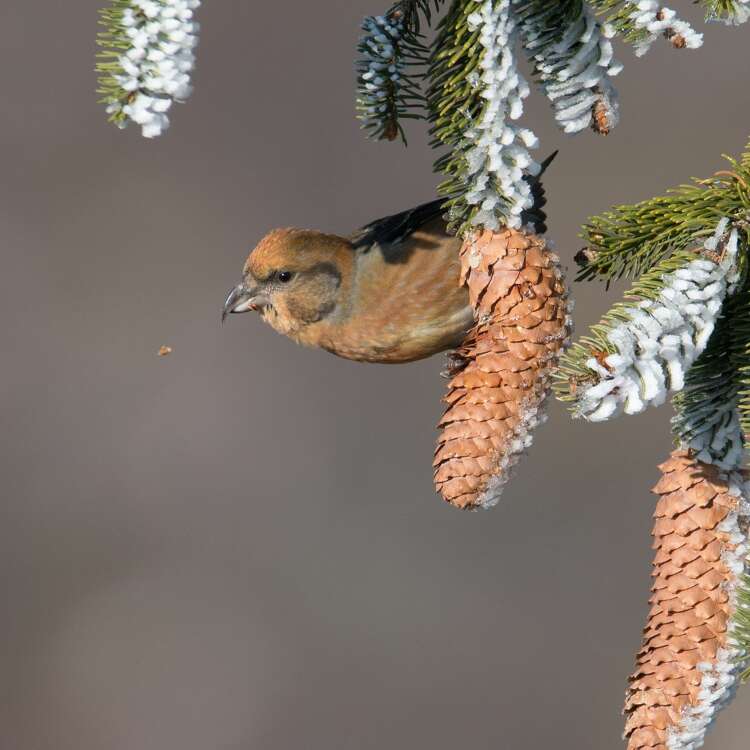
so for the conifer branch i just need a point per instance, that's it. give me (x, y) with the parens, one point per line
(706, 417)
(739, 316)
(641, 22)
(389, 74)
(644, 347)
(414, 11)
(475, 96)
(146, 60)
(684, 328)
(392, 65)
(573, 61)
(742, 625)
(629, 240)
(730, 12)
(476, 93)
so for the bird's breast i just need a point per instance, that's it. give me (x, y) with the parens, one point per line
(403, 307)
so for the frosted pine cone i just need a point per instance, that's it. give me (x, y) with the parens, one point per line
(690, 662)
(494, 403)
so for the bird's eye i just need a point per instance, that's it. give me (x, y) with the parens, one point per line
(284, 276)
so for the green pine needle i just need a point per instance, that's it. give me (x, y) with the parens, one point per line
(711, 388)
(455, 104)
(415, 10)
(618, 13)
(630, 239)
(739, 317)
(562, 11)
(113, 42)
(551, 17)
(742, 624)
(738, 323)
(727, 11)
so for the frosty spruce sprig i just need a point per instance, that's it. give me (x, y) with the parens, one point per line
(391, 53)
(642, 22)
(730, 12)
(474, 92)
(475, 100)
(683, 329)
(575, 69)
(644, 347)
(147, 58)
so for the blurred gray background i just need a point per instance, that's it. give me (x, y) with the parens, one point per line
(238, 546)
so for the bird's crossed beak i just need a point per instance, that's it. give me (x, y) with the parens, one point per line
(241, 300)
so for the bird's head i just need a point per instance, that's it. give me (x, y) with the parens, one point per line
(294, 278)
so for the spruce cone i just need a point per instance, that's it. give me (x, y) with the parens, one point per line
(517, 291)
(689, 662)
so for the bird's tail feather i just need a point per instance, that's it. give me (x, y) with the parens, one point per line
(393, 229)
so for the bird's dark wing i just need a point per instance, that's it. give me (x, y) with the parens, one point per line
(392, 230)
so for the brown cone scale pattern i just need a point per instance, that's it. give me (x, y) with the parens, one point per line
(494, 402)
(683, 674)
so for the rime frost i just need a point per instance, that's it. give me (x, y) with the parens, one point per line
(659, 339)
(655, 20)
(575, 69)
(381, 68)
(156, 67)
(497, 153)
(737, 14)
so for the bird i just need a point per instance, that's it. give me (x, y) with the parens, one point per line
(388, 293)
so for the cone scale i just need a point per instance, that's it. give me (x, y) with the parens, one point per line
(689, 665)
(495, 402)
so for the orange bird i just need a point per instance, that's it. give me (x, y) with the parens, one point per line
(388, 293)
